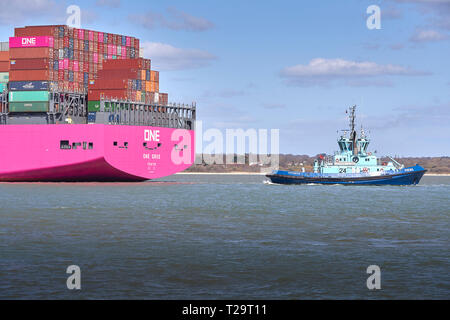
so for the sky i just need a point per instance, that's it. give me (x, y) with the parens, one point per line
(295, 66)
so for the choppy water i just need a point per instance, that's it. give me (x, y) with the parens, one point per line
(224, 237)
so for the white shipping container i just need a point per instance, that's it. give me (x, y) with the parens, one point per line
(4, 46)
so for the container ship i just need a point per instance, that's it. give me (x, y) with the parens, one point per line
(78, 105)
(353, 164)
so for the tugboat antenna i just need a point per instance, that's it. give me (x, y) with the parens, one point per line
(352, 117)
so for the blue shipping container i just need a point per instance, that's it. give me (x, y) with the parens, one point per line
(30, 86)
(91, 117)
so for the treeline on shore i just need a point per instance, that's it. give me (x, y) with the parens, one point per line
(219, 164)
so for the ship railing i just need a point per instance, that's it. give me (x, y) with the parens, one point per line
(398, 165)
(64, 107)
(4, 107)
(67, 105)
(126, 112)
(329, 160)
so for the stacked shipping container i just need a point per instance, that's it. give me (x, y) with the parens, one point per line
(60, 58)
(4, 70)
(72, 56)
(129, 79)
(4, 65)
(31, 62)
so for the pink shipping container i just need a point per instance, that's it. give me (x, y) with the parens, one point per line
(61, 64)
(31, 42)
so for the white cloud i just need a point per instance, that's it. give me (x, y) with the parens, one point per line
(272, 106)
(174, 20)
(437, 11)
(14, 12)
(428, 36)
(167, 57)
(108, 3)
(397, 46)
(369, 83)
(321, 71)
(425, 1)
(391, 12)
(183, 21)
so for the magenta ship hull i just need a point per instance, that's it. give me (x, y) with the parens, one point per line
(93, 152)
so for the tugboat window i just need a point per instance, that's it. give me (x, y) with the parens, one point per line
(91, 145)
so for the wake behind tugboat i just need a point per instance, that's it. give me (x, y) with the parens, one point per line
(352, 165)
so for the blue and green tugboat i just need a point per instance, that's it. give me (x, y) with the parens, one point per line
(352, 165)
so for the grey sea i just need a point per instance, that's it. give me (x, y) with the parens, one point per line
(224, 237)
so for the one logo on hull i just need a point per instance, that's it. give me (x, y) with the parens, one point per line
(152, 135)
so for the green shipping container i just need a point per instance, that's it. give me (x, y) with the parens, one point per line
(94, 106)
(2, 87)
(28, 96)
(4, 77)
(28, 106)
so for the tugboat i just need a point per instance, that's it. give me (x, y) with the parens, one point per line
(352, 165)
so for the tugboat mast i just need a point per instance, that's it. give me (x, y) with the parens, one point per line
(352, 117)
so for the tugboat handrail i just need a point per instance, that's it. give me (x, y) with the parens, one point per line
(396, 163)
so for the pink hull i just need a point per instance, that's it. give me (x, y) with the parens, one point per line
(40, 153)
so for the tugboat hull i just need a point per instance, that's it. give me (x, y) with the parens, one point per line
(407, 176)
